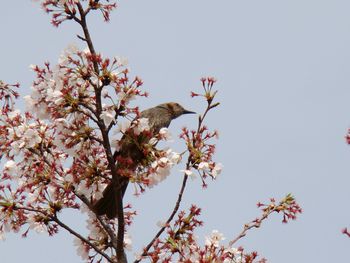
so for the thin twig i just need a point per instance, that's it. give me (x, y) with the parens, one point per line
(87, 34)
(66, 227)
(106, 227)
(70, 230)
(254, 224)
(81, 38)
(176, 208)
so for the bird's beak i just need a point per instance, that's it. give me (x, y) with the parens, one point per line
(188, 112)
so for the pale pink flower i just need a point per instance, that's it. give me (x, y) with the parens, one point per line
(123, 126)
(31, 137)
(2, 236)
(13, 114)
(121, 61)
(189, 173)
(127, 95)
(214, 239)
(11, 167)
(82, 249)
(203, 166)
(127, 242)
(216, 170)
(108, 116)
(174, 157)
(165, 134)
(38, 227)
(141, 125)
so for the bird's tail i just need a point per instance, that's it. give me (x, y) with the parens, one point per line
(107, 205)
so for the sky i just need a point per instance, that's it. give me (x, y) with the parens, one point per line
(283, 79)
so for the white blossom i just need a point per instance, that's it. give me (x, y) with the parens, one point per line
(55, 96)
(165, 134)
(23, 136)
(115, 144)
(141, 125)
(189, 173)
(127, 242)
(52, 192)
(153, 141)
(127, 96)
(174, 157)
(236, 256)
(96, 81)
(104, 93)
(13, 114)
(123, 126)
(29, 102)
(121, 61)
(216, 170)
(31, 137)
(68, 51)
(11, 167)
(84, 189)
(85, 209)
(108, 116)
(2, 236)
(38, 227)
(214, 239)
(82, 249)
(95, 231)
(203, 166)
(163, 166)
(163, 161)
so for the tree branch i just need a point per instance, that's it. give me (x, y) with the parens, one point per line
(106, 227)
(88, 40)
(115, 178)
(176, 208)
(55, 219)
(70, 230)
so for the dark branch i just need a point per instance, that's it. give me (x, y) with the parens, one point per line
(106, 144)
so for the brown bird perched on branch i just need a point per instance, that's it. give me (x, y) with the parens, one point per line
(158, 117)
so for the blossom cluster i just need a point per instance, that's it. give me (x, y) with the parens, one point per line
(7, 95)
(70, 87)
(155, 164)
(63, 10)
(56, 155)
(181, 244)
(61, 153)
(55, 152)
(199, 145)
(287, 206)
(98, 236)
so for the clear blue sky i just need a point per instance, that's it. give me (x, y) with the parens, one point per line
(283, 78)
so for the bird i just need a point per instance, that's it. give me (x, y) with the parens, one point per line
(158, 117)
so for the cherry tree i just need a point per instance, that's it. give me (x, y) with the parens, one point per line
(59, 154)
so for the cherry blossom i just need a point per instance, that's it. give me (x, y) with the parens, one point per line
(214, 239)
(63, 151)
